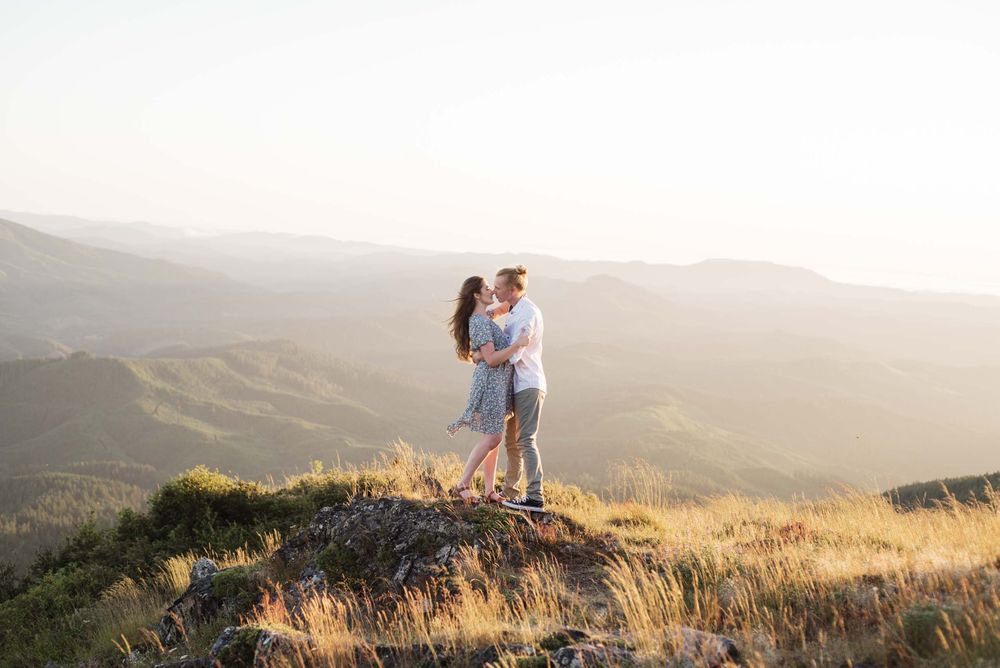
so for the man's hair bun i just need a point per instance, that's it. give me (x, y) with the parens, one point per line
(515, 277)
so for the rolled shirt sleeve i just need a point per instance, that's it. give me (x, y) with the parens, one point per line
(520, 329)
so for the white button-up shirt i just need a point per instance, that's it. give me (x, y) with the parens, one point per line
(526, 318)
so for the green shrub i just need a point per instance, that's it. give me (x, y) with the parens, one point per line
(40, 624)
(10, 585)
(193, 505)
(319, 490)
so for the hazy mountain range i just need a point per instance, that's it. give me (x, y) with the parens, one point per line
(258, 352)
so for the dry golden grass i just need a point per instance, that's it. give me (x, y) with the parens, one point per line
(640, 482)
(847, 578)
(400, 471)
(830, 582)
(344, 626)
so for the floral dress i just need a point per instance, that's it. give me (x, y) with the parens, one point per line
(491, 399)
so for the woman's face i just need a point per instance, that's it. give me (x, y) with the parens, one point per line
(486, 294)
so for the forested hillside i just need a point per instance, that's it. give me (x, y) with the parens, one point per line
(935, 493)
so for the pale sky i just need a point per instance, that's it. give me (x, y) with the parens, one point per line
(859, 139)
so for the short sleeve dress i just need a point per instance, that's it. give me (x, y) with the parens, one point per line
(491, 399)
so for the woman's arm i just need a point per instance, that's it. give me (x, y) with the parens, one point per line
(495, 357)
(502, 309)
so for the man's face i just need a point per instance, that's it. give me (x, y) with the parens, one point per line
(501, 290)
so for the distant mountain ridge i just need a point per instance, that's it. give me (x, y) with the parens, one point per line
(58, 294)
(267, 258)
(29, 257)
(273, 253)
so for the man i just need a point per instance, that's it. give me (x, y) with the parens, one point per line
(524, 317)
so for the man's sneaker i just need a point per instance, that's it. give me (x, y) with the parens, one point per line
(524, 503)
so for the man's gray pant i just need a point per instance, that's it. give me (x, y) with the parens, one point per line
(522, 430)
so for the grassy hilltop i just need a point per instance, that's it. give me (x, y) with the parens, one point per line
(848, 580)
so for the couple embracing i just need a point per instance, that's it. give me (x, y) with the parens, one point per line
(508, 386)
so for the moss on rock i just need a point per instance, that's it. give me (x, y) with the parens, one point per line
(237, 587)
(239, 653)
(339, 562)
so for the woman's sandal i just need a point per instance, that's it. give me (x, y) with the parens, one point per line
(494, 496)
(456, 491)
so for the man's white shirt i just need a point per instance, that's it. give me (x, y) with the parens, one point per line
(526, 318)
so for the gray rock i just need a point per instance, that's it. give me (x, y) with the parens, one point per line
(494, 653)
(224, 639)
(587, 655)
(203, 568)
(195, 606)
(445, 554)
(277, 647)
(403, 572)
(565, 636)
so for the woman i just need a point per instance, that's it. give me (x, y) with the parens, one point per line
(490, 398)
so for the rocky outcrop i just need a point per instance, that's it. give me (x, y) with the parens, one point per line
(586, 655)
(258, 646)
(388, 543)
(195, 606)
(493, 653)
(385, 545)
(210, 591)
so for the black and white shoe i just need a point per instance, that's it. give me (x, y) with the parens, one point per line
(525, 503)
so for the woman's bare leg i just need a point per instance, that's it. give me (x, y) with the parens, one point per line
(490, 468)
(488, 443)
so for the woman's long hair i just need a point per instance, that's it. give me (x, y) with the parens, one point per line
(465, 304)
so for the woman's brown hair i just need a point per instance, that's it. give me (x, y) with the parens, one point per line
(516, 277)
(465, 304)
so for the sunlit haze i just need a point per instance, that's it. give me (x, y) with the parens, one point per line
(858, 139)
